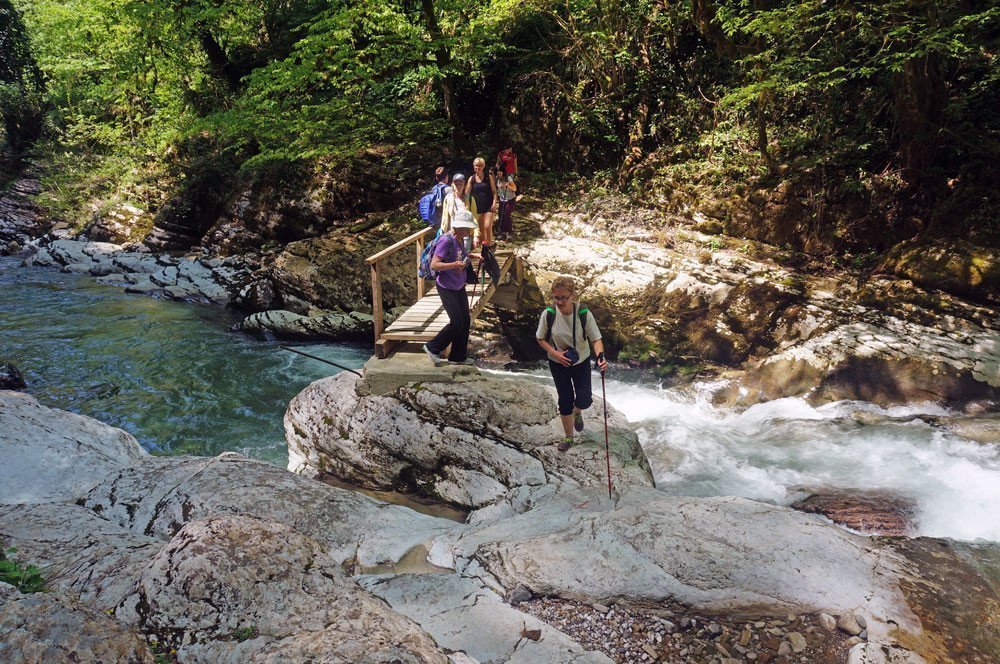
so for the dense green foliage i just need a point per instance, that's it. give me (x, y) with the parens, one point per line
(884, 107)
(20, 81)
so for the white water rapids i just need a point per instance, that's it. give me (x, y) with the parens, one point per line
(782, 450)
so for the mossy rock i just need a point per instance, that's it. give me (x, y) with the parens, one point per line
(710, 227)
(955, 266)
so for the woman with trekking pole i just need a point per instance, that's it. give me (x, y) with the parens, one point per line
(566, 332)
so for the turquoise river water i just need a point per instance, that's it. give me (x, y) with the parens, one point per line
(170, 373)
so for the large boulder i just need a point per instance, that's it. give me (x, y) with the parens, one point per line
(326, 325)
(330, 272)
(51, 455)
(453, 434)
(162, 495)
(955, 266)
(51, 627)
(240, 589)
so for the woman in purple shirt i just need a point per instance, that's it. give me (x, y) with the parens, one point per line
(450, 260)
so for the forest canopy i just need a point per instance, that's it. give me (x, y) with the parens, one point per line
(891, 102)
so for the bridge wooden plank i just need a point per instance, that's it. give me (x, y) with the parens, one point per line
(427, 316)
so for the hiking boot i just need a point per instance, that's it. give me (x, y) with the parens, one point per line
(566, 443)
(467, 362)
(578, 421)
(435, 359)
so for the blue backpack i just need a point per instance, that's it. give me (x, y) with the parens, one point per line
(427, 255)
(429, 206)
(424, 271)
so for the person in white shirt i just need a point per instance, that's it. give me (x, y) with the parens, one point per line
(566, 332)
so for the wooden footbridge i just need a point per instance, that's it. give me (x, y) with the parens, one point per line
(426, 317)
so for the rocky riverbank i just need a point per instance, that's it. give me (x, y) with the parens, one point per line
(677, 300)
(228, 559)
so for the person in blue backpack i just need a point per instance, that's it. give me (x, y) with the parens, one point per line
(449, 262)
(431, 205)
(566, 332)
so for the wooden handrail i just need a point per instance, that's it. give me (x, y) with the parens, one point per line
(376, 259)
(388, 251)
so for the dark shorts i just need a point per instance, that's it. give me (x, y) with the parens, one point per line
(572, 385)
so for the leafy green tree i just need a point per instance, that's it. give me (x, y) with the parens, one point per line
(21, 84)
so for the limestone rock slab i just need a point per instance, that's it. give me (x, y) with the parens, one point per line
(51, 627)
(160, 497)
(240, 589)
(463, 615)
(717, 554)
(53, 455)
(78, 552)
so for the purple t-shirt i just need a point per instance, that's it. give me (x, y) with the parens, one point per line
(448, 251)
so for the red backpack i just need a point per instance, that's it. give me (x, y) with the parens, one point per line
(508, 160)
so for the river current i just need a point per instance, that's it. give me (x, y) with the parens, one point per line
(170, 373)
(173, 375)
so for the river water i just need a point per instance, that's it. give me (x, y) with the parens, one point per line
(172, 375)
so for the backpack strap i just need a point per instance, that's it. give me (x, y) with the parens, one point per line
(550, 317)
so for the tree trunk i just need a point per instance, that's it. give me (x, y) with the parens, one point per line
(635, 152)
(442, 57)
(761, 119)
(218, 61)
(920, 97)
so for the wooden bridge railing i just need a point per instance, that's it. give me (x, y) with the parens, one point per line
(376, 261)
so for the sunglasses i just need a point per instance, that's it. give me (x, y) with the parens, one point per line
(560, 298)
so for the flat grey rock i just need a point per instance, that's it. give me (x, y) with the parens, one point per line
(53, 455)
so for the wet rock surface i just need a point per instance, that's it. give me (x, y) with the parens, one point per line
(21, 220)
(183, 278)
(955, 592)
(865, 512)
(11, 377)
(351, 326)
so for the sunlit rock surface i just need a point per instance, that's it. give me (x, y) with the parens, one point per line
(790, 334)
(213, 280)
(453, 433)
(51, 455)
(239, 589)
(53, 627)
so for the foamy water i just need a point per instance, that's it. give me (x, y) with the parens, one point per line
(780, 450)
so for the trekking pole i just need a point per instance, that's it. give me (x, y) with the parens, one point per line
(475, 284)
(607, 447)
(313, 357)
